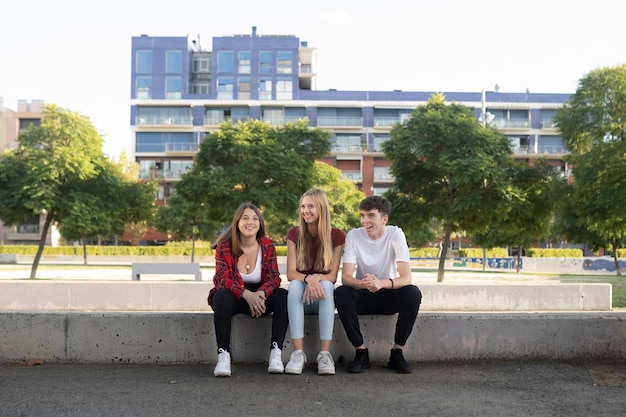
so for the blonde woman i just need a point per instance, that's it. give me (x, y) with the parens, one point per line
(313, 257)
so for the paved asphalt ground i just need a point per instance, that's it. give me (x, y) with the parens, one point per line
(483, 389)
(434, 389)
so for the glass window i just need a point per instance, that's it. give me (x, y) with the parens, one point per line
(284, 90)
(265, 62)
(160, 141)
(265, 89)
(225, 87)
(144, 87)
(144, 62)
(201, 64)
(378, 142)
(284, 62)
(225, 62)
(244, 87)
(382, 174)
(201, 88)
(173, 87)
(245, 62)
(164, 115)
(174, 62)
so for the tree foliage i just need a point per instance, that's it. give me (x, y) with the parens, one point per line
(59, 169)
(593, 126)
(448, 167)
(270, 166)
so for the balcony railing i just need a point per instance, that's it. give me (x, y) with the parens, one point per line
(145, 174)
(503, 124)
(541, 150)
(386, 121)
(352, 175)
(181, 147)
(340, 121)
(164, 120)
(216, 120)
(282, 120)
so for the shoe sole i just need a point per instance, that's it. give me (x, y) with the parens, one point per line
(222, 374)
(359, 371)
(326, 372)
(275, 371)
(293, 371)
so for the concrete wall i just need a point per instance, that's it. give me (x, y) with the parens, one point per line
(67, 295)
(169, 337)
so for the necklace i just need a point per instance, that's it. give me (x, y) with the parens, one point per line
(248, 266)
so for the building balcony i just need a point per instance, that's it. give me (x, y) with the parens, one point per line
(216, 121)
(541, 151)
(181, 148)
(275, 121)
(352, 175)
(352, 122)
(386, 122)
(510, 124)
(164, 121)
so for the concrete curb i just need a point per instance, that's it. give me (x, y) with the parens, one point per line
(188, 337)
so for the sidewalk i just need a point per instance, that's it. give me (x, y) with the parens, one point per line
(433, 389)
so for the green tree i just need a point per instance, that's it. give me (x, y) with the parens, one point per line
(255, 162)
(104, 204)
(49, 173)
(593, 126)
(531, 211)
(449, 167)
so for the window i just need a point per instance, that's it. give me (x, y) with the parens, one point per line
(144, 87)
(265, 62)
(201, 64)
(378, 142)
(284, 62)
(173, 87)
(174, 62)
(284, 90)
(245, 63)
(201, 88)
(144, 62)
(244, 88)
(225, 88)
(265, 89)
(225, 62)
(382, 174)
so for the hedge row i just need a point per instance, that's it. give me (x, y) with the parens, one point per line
(554, 253)
(205, 250)
(478, 253)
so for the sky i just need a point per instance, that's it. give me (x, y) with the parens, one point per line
(77, 53)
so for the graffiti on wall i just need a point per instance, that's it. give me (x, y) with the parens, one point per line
(602, 264)
(470, 263)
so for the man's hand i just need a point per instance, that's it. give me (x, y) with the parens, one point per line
(371, 283)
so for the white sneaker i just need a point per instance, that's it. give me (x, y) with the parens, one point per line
(276, 360)
(222, 368)
(325, 363)
(296, 363)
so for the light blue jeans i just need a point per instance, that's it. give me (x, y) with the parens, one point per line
(325, 309)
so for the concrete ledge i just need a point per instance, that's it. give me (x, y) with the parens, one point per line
(63, 295)
(168, 338)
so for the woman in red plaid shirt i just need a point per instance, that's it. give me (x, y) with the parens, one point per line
(247, 281)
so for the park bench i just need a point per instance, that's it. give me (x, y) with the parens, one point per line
(177, 268)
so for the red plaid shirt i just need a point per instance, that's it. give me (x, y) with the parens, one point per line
(227, 274)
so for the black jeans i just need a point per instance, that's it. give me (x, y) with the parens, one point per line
(225, 306)
(351, 302)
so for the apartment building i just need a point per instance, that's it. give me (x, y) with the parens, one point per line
(12, 122)
(181, 90)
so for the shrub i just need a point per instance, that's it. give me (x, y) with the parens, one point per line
(554, 253)
(478, 253)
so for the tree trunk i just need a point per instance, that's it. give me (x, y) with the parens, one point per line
(519, 258)
(444, 252)
(484, 258)
(616, 259)
(42, 244)
(193, 247)
(84, 244)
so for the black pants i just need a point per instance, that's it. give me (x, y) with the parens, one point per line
(225, 306)
(351, 302)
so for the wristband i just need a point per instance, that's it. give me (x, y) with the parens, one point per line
(305, 277)
(390, 279)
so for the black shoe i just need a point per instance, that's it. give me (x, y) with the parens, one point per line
(397, 362)
(361, 362)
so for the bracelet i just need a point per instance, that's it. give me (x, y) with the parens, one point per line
(391, 279)
(305, 277)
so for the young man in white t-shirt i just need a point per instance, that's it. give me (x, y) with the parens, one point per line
(379, 255)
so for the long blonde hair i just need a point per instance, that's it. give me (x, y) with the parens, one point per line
(324, 260)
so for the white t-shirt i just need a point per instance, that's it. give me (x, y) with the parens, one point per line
(377, 257)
